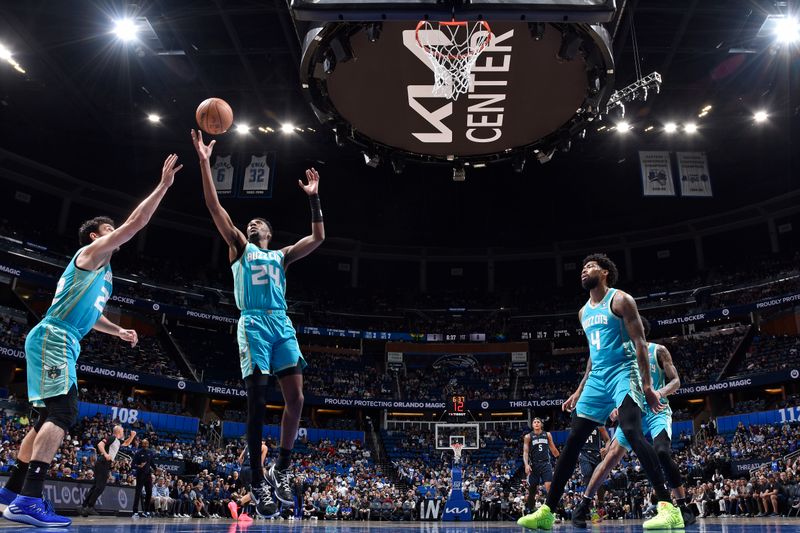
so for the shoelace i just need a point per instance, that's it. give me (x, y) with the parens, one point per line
(283, 480)
(263, 494)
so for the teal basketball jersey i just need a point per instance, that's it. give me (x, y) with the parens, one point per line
(81, 296)
(259, 279)
(656, 372)
(609, 345)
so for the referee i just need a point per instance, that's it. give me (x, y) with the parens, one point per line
(107, 450)
(143, 461)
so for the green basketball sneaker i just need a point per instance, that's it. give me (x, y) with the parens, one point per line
(667, 517)
(542, 519)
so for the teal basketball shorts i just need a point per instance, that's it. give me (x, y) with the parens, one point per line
(267, 341)
(51, 351)
(606, 390)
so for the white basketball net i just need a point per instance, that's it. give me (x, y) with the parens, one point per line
(453, 48)
(457, 451)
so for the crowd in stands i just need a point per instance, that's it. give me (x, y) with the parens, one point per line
(769, 353)
(346, 376)
(185, 283)
(702, 358)
(148, 355)
(117, 398)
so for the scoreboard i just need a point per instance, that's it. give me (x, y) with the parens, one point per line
(456, 406)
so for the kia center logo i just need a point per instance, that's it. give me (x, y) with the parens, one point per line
(181, 385)
(484, 405)
(794, 373)
(122, 499)
(156, 307)
(726, 312)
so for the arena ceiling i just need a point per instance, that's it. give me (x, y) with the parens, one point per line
(82, 103)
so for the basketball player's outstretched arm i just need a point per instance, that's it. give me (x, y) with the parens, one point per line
(99, 252)
(234, 238)
(624, 305)
(671, 373)
(104, 325)
(308, 244)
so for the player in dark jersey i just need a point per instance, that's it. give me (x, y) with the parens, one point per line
(537, 446)
(591, 453)
(107, 450)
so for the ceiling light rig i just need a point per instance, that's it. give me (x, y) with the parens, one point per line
(639, 90)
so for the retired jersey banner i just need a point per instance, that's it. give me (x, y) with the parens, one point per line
(258, 176)
(693, 171)
(222, 173)
(656, 174)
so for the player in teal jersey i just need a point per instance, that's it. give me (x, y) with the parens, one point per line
(617, 376)
(658, 426)
(52, 348)
(267, 340)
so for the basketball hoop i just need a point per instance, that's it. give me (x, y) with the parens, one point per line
(452, 48)
(457, 448)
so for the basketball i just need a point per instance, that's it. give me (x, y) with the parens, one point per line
(214, 116)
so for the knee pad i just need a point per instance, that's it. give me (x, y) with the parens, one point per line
(62, 411)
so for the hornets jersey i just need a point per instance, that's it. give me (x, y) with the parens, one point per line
(259, 279)
(609, 343)
(81, 296)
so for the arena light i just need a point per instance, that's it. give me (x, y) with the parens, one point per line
(623, 126)
(7, 56)
(760, 116)
(690, 128)
(787, 30)
(287, 127)
(125, 29)
(242, 129)
(670, 127)
(649, 128)
(154, 118)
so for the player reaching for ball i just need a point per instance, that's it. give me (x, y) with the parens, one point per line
(267, 340)
(52, 348)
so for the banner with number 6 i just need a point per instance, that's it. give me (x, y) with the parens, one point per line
(258, 176)
(222, 172)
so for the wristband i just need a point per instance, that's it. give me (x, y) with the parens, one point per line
(316, 208)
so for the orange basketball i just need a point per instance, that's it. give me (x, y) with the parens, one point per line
(214, 116)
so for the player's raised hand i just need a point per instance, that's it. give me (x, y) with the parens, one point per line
(169, 170)
(312, 187)
(129, 335)
(203, 150)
